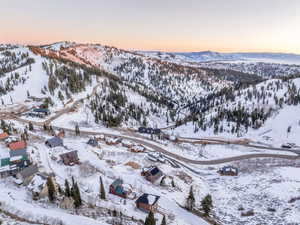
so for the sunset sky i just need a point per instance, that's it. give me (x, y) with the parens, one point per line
(169, 25)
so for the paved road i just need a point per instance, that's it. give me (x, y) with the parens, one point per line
(168, 153)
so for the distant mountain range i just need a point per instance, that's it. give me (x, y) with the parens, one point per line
(208, 56)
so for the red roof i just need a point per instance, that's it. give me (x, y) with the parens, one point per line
(17, 145)
(3, 136)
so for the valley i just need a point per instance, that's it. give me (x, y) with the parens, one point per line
(209, 115)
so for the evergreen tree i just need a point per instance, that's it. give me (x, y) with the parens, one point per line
(206, 204)
(51, 189)
(30, 126)
(150, 220)
(102, 190)
(67, 189)
(190, 202)
(77, 131)
(76, 196)
(173, 183)
(164, 222)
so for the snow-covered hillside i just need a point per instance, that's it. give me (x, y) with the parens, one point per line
(211, 110)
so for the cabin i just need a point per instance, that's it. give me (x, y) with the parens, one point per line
(116, 188)
(127, 144)
(3, 136)
(54, 142)
(228, 171)
(113, 141)
(93, 142)
(152, 174)
(17, 149)
(70, 158)
(147, 203)
(137, 148)
(27, 174)
(100, 137)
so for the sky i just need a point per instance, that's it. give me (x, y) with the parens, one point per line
(166, 25)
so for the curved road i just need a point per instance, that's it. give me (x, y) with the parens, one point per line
(162, 150)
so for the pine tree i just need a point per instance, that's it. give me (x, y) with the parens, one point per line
(190, 202)
(206, 204)
(77, 131)
(102, 190)
(30, 126)
(76, 196)
(67, 189)
(164, 222)
(150, 220)
(51, 189)
(173, 183)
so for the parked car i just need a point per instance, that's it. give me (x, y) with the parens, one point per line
(156, 157)
(287, 145)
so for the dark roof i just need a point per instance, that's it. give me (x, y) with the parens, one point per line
(92, 142)
(42, 110)
(70, 157)
(55, 141)
(29, 171)
(154, 170)
(145, 199)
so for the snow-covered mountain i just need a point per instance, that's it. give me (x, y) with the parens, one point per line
(235, 98)
(210, 56)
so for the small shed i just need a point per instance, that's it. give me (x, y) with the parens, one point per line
(228, 171)
(152, 174)
(3, 136)
(54, 142)
(116, 188)
(93, 142)
(147, 203)
(70, 158)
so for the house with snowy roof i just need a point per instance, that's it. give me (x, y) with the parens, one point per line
(27, 174)
(228, 171)
(70, 158)
(152, 174)
(116, 188)
(38, 185)
(54, 142)
(93, 142)
(147, 202)
(3, 136)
